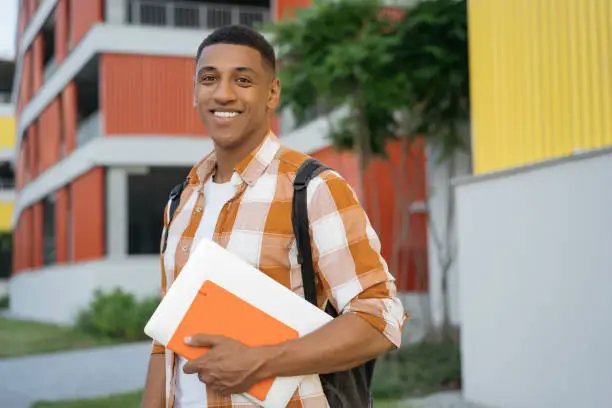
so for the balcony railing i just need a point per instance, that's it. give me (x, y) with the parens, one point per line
(89, 128)
(194, 15)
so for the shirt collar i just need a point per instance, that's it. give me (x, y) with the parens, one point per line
(248, 170)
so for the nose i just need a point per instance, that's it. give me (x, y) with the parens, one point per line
(224, 93)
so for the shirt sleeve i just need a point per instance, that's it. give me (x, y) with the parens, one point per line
(157, 348)
(347, 258)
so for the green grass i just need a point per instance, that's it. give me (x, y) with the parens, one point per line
(389, 404)
(129, 400)
(418, 370)
(132, 400)
(19, 338)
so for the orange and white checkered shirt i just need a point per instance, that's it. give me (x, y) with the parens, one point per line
(256, 225)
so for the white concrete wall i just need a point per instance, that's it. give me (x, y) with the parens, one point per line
(442, 234)
(535, 286)
(57, 293)
(116, 11)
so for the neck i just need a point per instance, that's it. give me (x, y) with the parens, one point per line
(227, 159)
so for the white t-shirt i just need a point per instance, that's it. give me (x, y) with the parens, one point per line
(190, 392)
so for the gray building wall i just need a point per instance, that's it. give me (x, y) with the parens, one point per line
(535, 285)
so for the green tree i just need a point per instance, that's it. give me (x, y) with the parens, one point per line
(340, 54)
(396, 77)
(433, 49)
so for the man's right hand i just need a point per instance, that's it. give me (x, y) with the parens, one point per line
(154, 395)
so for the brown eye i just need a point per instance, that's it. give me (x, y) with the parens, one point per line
(244, 81)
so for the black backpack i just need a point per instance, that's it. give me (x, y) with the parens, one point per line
(343, 389)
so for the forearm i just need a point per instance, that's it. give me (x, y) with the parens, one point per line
(154, 395)
(344, 343)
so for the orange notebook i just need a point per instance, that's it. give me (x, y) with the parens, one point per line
(219, 293)
(217, 311)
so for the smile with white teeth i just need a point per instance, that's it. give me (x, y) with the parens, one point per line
(220, 114)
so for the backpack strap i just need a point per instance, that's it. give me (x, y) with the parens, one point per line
(301, 227)
(175, 199)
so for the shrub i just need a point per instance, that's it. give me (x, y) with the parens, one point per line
(117, 314)
(418, 370)
(4, 302)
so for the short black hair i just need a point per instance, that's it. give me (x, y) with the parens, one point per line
(240, 35)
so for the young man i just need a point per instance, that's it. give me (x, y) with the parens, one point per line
(240, 196)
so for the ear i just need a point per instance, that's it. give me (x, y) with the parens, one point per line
(274, 95)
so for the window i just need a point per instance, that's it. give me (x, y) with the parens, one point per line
(147, 197)
(6, 254)
(49, 255)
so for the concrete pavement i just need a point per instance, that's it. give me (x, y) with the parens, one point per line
(110, 370)
(450, 399)
(73, 374)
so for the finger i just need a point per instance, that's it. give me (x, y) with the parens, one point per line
(204, 340)
(205, 378)
(190, 367)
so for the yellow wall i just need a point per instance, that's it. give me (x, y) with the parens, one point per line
(6, 211)
(7, 132)
(7, 139)
(541, 79)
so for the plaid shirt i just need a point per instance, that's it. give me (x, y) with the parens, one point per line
(256, 225)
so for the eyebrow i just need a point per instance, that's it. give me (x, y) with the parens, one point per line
(210, 68)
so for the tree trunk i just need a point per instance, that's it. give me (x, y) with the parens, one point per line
(364, 157)
(445, 251)
(399, 213)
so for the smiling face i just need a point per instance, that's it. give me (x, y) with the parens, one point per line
(236, 92)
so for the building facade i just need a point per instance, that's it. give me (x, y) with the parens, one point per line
(535, 221)
(7, 184)
(106, 126)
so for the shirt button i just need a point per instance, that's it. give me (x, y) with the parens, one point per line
(199, 210)
(185, 248)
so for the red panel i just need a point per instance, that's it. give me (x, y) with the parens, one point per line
(21, 164)
(69, 119)
(38, 50)
(275, 124)
(37, 235)
(42, 147)
(33, 157)
(61, 223)
(27, 79)
(143, 94)
(83, 15)
(61, 30)
(286, 8)
(27, 249)
(33, 6)
(88, 215)
(383, 180)
(49, 136)
(26, 82)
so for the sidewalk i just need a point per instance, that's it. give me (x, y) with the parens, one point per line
(451, 399)
(110, 370)
(73, 375)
